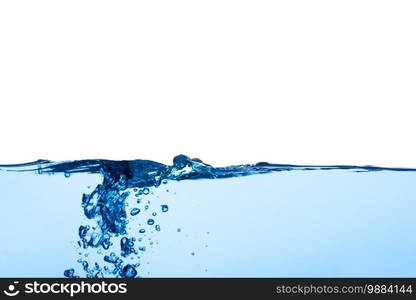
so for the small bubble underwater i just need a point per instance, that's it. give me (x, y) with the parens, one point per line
(100, 218)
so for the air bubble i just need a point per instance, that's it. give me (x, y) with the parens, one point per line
(128, 271)
(134, 211)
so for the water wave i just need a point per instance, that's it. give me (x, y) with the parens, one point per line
(106, 205)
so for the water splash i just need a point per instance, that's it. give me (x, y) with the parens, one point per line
(106, 205)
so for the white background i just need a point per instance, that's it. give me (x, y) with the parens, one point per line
(316, 82)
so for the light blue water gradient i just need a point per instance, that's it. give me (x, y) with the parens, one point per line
(241, 221)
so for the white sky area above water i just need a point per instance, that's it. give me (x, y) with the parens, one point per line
(303, 82)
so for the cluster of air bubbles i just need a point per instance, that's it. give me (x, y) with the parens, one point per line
(127, 246)
(111, 219)
(107, 205)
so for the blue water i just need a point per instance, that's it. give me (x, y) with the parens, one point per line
(99, 218)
